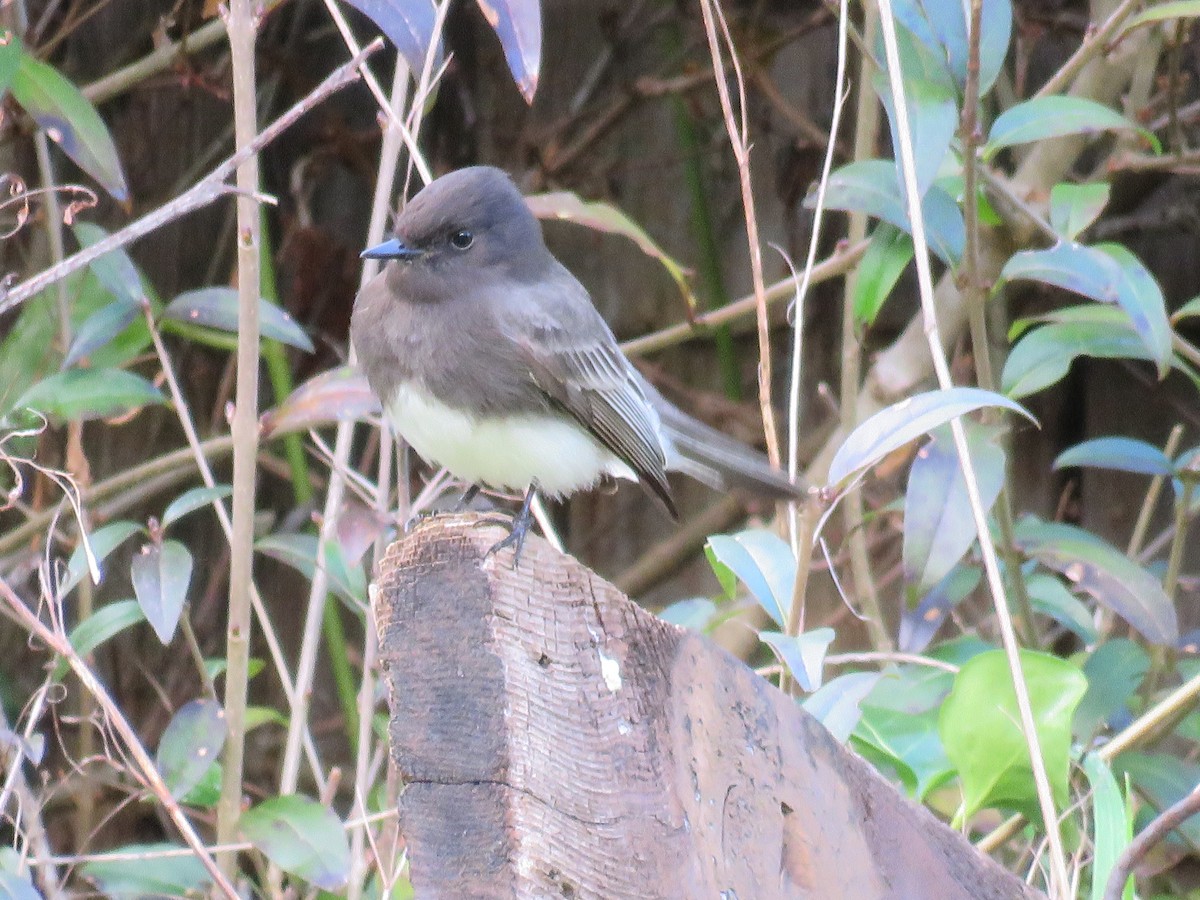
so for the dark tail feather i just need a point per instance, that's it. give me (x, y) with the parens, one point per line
(714, 458)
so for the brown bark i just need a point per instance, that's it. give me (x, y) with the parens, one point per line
(559, 741)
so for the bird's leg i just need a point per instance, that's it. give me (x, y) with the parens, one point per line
(519, 528)
(467, 498)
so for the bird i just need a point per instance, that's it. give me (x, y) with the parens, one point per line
(490, 359)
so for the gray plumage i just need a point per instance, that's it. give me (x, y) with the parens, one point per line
(475, 316)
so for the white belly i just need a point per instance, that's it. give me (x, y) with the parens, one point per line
(504, 453)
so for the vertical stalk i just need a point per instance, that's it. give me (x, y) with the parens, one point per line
(241, 25)
(866, 132)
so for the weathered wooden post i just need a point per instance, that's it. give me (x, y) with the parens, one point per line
(558, 741)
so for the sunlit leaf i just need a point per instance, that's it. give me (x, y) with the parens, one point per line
(1188, 310)
(70, 121)
(302, 837)
(147, 873)
(81, 394)
(217, 307)
(338, 395)
(836, 704)
(190, 501)
(565, 206)
(763, 562)
(981, 729)
(939, 526)
(802, 654)
(518, 24)
(1112, 827)
(888, 254)
(895, 426)
(190, 744)
(1104, 573)
(160, 577)
(1164, 12)
(1119, 453)
(1042, 118)
(103, 541)
(869, 186)
(1073, 207)
(408, 24)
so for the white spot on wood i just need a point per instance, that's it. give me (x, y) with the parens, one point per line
(610, 669)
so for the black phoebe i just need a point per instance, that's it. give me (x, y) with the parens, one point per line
(491, 360)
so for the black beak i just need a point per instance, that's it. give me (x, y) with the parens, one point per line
(393, 249)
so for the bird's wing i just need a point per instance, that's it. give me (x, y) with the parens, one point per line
(582, 371)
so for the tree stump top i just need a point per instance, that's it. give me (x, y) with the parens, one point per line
(556, 740)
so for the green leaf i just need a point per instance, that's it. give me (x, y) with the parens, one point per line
(150, 875)
(1048, 596)
(888, 254)
(869, 186)
(82, 394)
(1163, 12)
(1165, 780)
(564, 206)
(981, 730)
(217, 307)
(302, 837)
(893, 427)
(106, 622)
(341, 394)
(1110, 274)
(1121, 454)
(1043, 356)
(115, 269)
(1188, 310)
(1115, 670)
(1042, 118)
(99, 330)
(803, 655)
(836, 704)
(932, 119)
(941, 26)
(694, 613)
(103, 541)
(190, 744)
(1073, 207)
(920, 624)
(10, 59)
(763, 562)
(300, 552)
(1112, 827)
(1103, 572)
(909, 743)
(70, 121)
(939, 526)
(15, 880)
(160, 577)
(190, 501)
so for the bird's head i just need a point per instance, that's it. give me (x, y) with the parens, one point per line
(472, 221)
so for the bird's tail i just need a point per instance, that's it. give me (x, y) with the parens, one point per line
(717, 460)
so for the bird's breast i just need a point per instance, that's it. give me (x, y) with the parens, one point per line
(505, 451)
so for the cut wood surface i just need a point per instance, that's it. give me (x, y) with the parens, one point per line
(556, 740)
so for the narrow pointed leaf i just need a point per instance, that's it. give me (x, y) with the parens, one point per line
(933, 118)
(1103, 572)
(147, 874)
(10, 59)
(115, 269)
(70, 121)
(1142, 298)
(518, 24)
(1042, 118)
(939, 527)
(103, 541)
(217, 307)
(105, 623)
(190, 501)
(1188, 310)
(81, 394)
(341, 394)
(942, 26)
(802, 654)
(190, 745)
(98, 330)
(1119, 453)
(408, 24)
(1163, 12)
(837, 704)
(1048, 596)
(906, 421)
(300, 552)
(302, 837)
(888, 254)
(1112, 826)
(160, 577)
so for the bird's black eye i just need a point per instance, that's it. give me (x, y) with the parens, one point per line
(462, 239)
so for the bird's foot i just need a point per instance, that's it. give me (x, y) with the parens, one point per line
(518, 529)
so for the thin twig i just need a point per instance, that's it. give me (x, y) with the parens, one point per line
(1157, 831)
